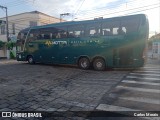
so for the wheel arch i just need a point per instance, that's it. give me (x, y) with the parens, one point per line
(96, 57)
(29, 56)
(83, 56)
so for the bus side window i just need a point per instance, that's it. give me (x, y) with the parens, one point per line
(106, 31)
(110, 27)
(75, 31)
(121, 31)
(93, 29)
(60, 32)
(116, 30)
(46, 36)
(92, 32)
(130, 25)
(71, 34)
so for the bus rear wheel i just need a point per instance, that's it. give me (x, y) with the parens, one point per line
(84, 63)
(30, 60)
(99, 64)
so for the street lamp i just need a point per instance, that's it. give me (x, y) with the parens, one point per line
(63, 15)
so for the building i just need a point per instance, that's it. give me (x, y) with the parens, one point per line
(21, 21)
(156, 46)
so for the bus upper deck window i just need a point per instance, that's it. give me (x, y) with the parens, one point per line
(121, 31)
(115, 31)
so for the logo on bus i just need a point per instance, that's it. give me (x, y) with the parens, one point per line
(49, 43)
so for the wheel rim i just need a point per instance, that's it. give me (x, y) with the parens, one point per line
(84, 64)
(30, 60)
(99, 64)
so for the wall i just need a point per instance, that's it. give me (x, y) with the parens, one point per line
(22, 21)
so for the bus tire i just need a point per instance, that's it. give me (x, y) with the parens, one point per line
(30, 60)
(99, 64)
(84, 63)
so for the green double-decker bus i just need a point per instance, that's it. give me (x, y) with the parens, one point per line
(118, 42)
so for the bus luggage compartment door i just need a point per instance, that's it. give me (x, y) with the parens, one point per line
(125, 56)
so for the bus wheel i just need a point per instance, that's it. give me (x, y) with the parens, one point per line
(99, 64)
(30, 60)
(84, 63)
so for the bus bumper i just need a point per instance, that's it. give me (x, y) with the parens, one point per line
(20, 56)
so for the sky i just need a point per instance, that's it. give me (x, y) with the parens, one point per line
(88, 9)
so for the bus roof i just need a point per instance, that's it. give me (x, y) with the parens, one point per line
(88, 21)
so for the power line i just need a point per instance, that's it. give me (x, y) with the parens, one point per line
(121, 11)
(79, 7)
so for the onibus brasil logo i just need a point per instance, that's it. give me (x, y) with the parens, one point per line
(16, 114)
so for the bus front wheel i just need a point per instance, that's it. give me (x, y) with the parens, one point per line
(99, 64)
(84, 63)
(30, 60)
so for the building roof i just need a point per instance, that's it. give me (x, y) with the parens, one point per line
(32, 12)
(157, 36)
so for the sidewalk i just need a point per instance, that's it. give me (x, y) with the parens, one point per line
(4, 61)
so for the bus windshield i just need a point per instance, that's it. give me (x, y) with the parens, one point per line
(21, 39)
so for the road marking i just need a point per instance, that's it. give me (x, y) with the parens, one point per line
(144, 74)
(139, 89)
(106, 107)
(116, 109)
(152, 67)
(154, 72)
(142, 99)
(137, 82)
(148, 78)
(137, 99)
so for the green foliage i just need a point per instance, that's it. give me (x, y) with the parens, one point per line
(12, 55)
(2, 44)
(10, 45)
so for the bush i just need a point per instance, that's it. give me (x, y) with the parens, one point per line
(12, 55)
(10, 45)
(2, 44)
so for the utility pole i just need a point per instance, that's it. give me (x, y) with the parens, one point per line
(6, 21)
(7, 29)
(63, 15)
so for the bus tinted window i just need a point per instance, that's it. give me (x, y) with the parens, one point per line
(93, 29)
(130, 25)
(110, 28)
(76, 31)
(60, 32)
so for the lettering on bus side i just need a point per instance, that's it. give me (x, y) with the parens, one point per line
(49, 43)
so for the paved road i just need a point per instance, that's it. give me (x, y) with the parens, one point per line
(138, 91)
(53, 88)
(58, 88)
